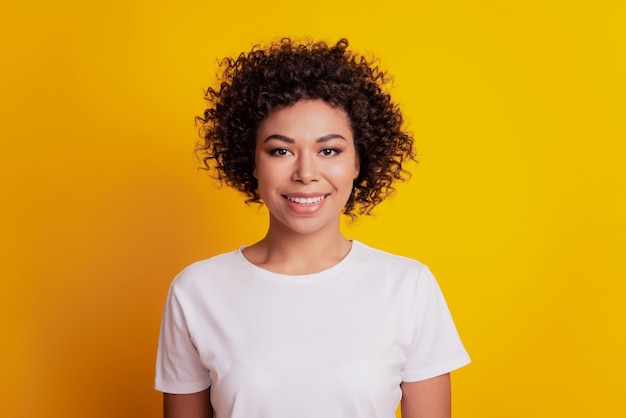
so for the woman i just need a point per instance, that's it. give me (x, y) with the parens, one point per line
(306, 323)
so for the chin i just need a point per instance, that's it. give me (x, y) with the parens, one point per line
(309, 226)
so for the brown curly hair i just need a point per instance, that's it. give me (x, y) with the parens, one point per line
(271, 78)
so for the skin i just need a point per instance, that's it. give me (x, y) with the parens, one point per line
(305, 164)
(304, 151)
(193, 405)
(428, 398)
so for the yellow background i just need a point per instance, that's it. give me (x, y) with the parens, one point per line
(517, 204)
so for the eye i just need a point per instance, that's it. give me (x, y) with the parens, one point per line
(280, 152)
(328, 152)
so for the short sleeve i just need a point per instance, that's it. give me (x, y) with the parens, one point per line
(437, 348)
(179, 368)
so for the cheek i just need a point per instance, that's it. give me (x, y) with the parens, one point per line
(345, 174)
(354, 167)
(268, 177)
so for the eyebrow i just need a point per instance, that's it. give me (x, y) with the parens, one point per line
(289, 140)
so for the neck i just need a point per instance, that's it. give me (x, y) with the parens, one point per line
(288, 252)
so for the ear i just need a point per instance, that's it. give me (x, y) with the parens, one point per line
(357, 166)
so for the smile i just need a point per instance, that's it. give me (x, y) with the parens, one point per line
(306, 200)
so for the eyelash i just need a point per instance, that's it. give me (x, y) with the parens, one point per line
(282, 152)
(327, 152)
(279, 152)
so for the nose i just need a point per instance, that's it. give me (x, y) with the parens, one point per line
(305, 169)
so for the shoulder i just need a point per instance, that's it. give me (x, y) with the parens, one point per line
(382, 264)
(203, 271)
(371, 256)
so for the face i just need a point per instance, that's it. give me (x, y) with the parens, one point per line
(305, 166)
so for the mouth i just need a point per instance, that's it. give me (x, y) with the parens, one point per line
(306, 200)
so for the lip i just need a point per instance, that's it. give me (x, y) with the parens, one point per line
(306, 198)
(305, 203)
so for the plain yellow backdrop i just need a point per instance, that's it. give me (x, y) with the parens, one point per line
(517, 205)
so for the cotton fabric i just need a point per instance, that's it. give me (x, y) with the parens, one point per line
(332, 344)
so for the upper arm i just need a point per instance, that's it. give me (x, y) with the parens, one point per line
(192, 405)
(428, 398)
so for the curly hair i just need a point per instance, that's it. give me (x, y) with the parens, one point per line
(283, 73)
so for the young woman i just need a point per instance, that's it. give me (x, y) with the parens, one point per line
(306, 323)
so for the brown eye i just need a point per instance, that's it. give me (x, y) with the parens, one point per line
(327, 152)
(279, 152)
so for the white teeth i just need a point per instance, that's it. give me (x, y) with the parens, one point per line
(306, 200)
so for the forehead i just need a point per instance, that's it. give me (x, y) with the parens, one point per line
(306, 118)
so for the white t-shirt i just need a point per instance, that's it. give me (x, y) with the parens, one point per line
(334, 344)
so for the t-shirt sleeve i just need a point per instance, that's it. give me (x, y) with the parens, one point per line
(179, 368)
(437, 348)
